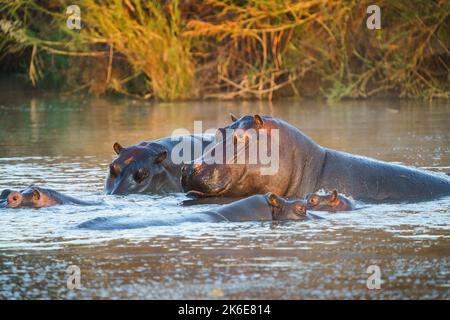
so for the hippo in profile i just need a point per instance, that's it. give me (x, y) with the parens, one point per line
(303, 167)
(268, 207)
(329, 201)
(148, 167)
(36, 197)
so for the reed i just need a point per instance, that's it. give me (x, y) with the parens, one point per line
(223, 49)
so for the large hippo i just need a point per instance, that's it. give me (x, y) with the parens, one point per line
(148, 167)
(305, 166)
(36, 197)
(268, 207)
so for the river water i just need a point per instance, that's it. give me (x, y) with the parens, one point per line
(66, 144)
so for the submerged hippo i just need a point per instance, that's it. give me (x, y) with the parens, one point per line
(330, 201)
(147, 167)
(268, 207)
(304, 167)
(36, 197)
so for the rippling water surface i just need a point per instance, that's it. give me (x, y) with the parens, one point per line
(66, 144)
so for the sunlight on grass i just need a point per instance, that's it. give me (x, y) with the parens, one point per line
(176, 50)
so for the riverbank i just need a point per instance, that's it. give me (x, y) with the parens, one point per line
(225, 50)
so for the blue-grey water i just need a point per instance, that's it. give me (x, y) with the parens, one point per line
(65, 143)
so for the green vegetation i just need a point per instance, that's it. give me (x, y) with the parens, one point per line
(228, 49)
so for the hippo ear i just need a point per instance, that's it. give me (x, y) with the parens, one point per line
(36, 195)
(233, 117)
(117, 147)
(273, 200)
(334, 195)
(161, 156)
(258, 120)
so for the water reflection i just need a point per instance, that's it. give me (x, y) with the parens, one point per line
(66, 144)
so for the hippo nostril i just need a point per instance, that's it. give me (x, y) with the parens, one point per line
(191, 169)
(114, 170)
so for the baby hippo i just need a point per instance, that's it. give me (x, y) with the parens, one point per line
(330, 201)
(263, 208)
(36, 197)
(268, 207)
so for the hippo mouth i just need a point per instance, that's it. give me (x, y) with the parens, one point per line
(200, 194)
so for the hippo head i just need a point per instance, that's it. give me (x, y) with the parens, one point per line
(137, 169)
(283, 209)
(329, 201)
(31, 197)
(227, 169)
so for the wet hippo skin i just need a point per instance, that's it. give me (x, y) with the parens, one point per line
(304, 167)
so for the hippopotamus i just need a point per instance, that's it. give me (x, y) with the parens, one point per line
(329, 201)
(268, 207)
(148, 167)
(37, 197)
(303, 167)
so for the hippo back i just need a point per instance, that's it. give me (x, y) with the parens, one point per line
(372, 180)
(254, 208)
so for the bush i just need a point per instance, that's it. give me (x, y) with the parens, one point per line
(225, 49)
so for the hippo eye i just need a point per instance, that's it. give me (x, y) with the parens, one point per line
(140, 175)
(112, 170)
(36, 195)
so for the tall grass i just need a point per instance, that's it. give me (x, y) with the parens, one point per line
(149, 37)
(227, 49)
